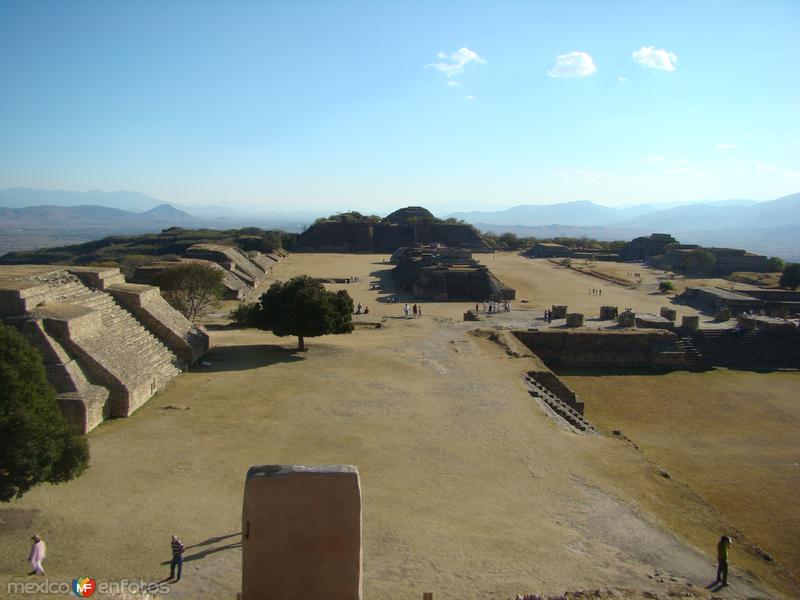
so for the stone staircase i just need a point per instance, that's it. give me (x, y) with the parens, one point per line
(129, 358)
(558, 406)
(696, 359)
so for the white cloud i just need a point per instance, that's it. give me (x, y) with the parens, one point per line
(725, 146)
(574, 64)
(470, 97)
(679, 161)
(622, 79)
(455, 62)
(676, 171)
(766, 169)
(653, 159)
(652, 58)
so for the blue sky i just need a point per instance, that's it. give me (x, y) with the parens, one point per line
(374, 105)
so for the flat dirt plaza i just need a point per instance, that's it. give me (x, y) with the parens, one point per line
(471, 490)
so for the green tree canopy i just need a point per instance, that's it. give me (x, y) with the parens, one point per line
(37, 444)
(697, 262)
(303, 307)
(192, 288)
(776, 264)
(791, 276)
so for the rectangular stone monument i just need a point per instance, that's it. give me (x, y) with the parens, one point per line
(301, 533)
(669, 313)
(559, 312)
(627, 319)
(692, 323)
(724, 314)
(574, 320)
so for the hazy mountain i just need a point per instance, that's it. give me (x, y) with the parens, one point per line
(25, 197)
(582, 213)
(721, 215)
(91, 217)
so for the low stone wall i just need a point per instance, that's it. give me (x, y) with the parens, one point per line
(185, 340)
(615, 349)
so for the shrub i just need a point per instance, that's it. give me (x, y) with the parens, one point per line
(37, 444)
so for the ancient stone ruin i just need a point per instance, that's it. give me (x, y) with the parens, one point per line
(107, 345)
(301, 533)
(446, 274)
(405, 227)
(769, 302)
(243, 272)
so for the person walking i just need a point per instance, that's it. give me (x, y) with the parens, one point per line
(722, 559)
(414, 310)
(177, 558)
(36, 556)
(405, 309)
(419, 311)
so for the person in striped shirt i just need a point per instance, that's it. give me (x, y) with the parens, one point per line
(177, 558)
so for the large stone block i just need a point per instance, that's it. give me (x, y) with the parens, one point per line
(607, 313)
(692, 322)
(559, 312)
(301, 531)
(574, 320)
(669, 313)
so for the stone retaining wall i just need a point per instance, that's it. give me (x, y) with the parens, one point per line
(616, 349)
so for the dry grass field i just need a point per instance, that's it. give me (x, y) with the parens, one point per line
(471, 490)
(730, 436)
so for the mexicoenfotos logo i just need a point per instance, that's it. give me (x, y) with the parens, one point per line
(83, 587)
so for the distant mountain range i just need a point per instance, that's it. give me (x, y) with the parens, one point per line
(92, 217)
(724, 214)
(25, 197)
(771, 227)
(212, 216)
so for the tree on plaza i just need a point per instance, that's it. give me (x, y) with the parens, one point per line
(192, 288)
(791, 276)
(303, 307)
(37, 444)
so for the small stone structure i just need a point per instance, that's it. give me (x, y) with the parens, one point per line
(690, 322)
(627, 319)
(559, 311)
(764, 323)
(651, 321)
(446, 274)
(608, 313)
(548, 250)
(301, 533)
(669, 313)
(723, 314)
(107, 345)
(574, 320)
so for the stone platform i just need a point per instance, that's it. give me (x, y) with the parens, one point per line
(107, 345)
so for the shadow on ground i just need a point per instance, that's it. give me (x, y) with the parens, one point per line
(201, 554)
(245, 357)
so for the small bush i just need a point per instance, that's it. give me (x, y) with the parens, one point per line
(666, 287)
